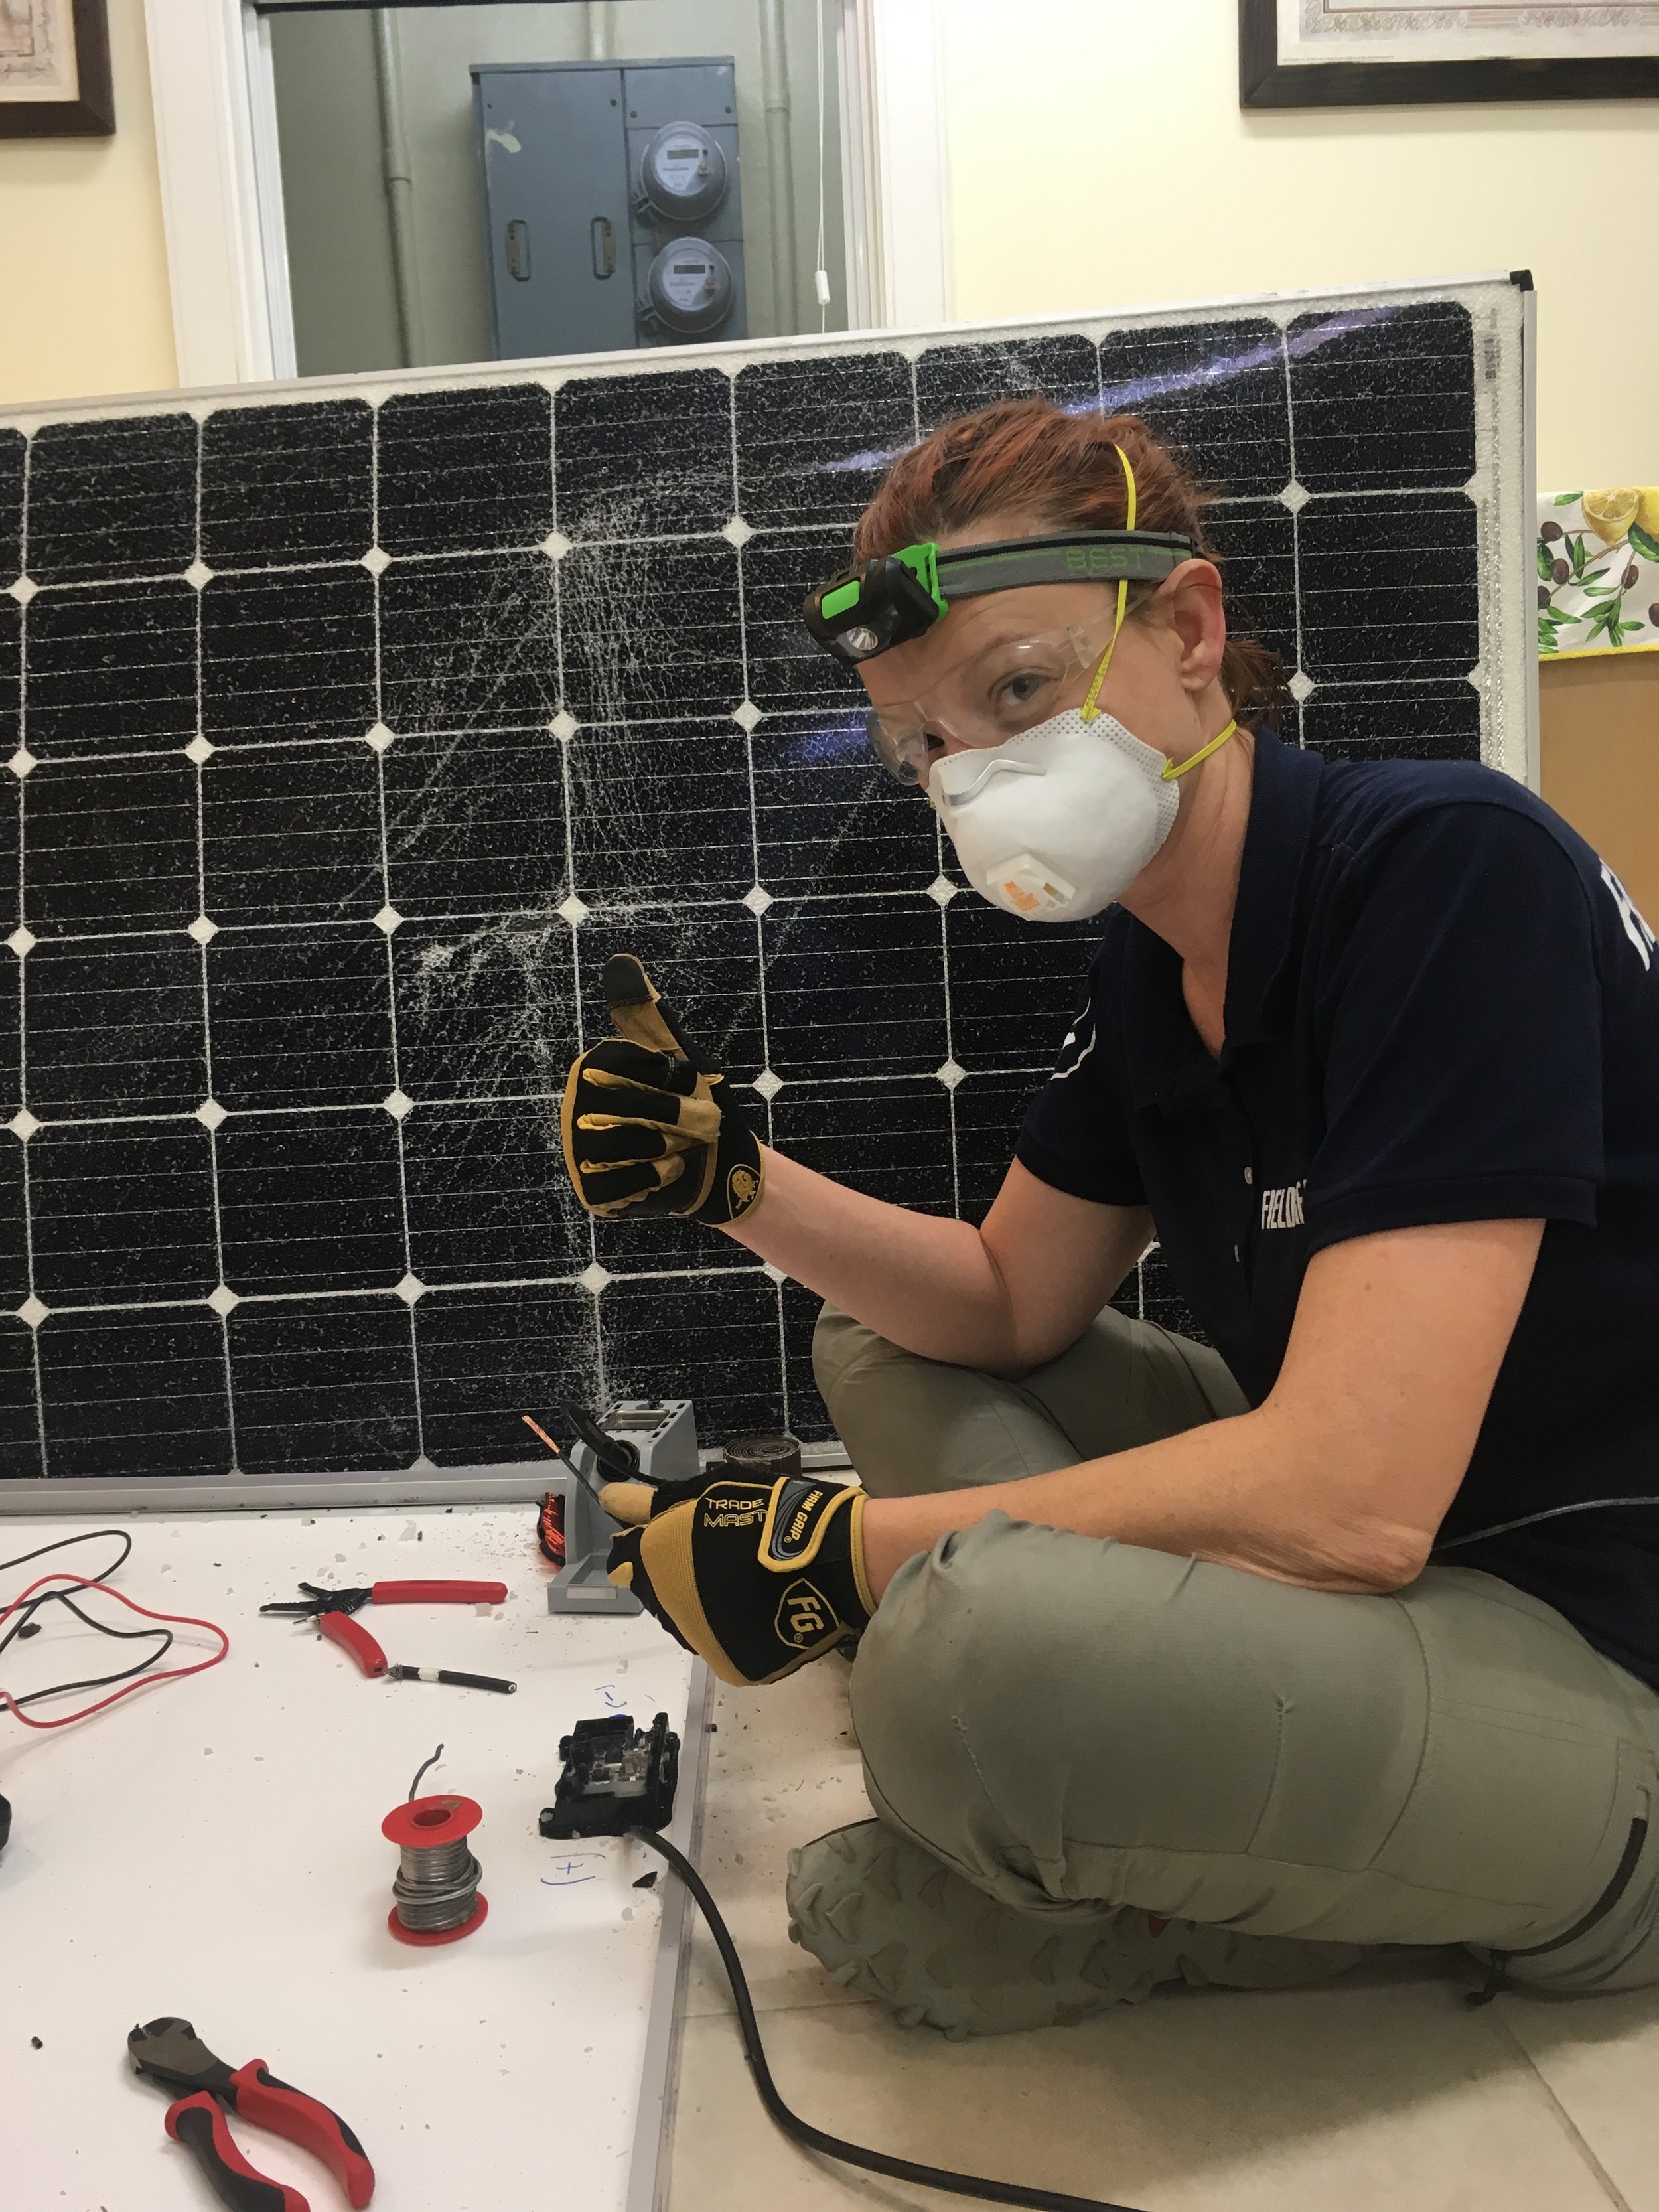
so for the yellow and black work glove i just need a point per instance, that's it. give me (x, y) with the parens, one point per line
(649, 1128)
(755, 1577)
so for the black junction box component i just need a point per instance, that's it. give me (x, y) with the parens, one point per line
(5, 1822)
(615, 1777)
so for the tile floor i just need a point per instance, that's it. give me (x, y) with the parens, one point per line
(1381, 2092)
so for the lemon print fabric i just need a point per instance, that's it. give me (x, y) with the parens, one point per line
(1610, 513)
(1598, 571)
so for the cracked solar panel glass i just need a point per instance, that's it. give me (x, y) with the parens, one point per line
(348, 735)
(11, 676)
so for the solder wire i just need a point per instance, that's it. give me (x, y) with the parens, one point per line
(436, 1886)
(421, 1770)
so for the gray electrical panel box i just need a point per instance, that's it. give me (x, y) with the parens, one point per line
(613, 214)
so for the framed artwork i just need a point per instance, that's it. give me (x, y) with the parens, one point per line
(1365, 53)
(54, 70)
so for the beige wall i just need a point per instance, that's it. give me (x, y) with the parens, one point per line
(1099, 158)
(84, 306)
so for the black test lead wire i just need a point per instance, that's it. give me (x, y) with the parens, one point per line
(802, 2131)
(26, 1607)
(26, 1622)
(86, 1536)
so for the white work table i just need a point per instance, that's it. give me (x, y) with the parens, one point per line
(212, 1848)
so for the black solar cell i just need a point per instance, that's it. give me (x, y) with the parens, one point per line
(1383, 396)
(465, 471)
(113, 668)
(112, 499)
(644, 456)
(955, 380)
(283, 484)
(14, 447)
(813, 435)
(1216, 390)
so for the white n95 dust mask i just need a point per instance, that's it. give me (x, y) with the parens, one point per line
(1057, 822)
(1053, 822)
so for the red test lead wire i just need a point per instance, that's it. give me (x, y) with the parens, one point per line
(142, 1681)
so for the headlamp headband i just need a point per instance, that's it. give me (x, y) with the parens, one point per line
(886, 602)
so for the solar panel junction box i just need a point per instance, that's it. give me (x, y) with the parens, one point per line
(615, 1777)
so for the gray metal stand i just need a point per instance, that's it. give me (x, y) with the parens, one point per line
(664, 1435)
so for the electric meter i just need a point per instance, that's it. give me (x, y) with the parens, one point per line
(683, 173)
(688, 286)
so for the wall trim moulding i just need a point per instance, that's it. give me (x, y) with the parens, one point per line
(204, 146)
(897, 186)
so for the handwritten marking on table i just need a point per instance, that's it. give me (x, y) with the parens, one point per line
(568, 1872)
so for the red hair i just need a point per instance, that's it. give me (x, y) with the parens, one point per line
(1026, 458)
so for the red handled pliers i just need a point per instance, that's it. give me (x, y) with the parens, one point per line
(169, 2052)
(333, 1610)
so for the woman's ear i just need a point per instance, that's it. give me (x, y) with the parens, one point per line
(1191, 604)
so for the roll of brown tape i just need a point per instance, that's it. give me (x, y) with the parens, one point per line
(763, 1457)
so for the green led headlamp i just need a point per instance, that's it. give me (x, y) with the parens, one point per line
(869, 609)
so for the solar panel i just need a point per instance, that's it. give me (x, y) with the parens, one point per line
(352, 725)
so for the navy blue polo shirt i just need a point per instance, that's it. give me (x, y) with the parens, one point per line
(1441, 1006)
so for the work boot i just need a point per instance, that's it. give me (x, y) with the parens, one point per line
(893, 1923)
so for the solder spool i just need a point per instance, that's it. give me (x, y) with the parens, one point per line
(436, 1889)
(764, 1457)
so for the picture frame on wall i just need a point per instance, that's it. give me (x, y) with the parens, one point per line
(55, 79)
(1366, 53)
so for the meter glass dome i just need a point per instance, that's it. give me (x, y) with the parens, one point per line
(683, 173)
(690, 286)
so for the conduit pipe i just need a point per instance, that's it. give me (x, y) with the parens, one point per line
(397, 175)
(601, 45)
(780, 164)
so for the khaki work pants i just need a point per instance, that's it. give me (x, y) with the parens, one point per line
(1071, 1722)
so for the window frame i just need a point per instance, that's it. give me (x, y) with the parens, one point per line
(214, 94)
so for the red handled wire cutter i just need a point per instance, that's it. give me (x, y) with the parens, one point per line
(333, 1610)
(169, 2052)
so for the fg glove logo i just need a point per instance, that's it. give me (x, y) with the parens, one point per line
(805, 1616)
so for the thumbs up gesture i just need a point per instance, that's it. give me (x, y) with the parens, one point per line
(648, 1127)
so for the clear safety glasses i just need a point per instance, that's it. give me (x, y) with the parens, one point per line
(997, 693)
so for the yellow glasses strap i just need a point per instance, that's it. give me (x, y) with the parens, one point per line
(1179, 768)
(1089, 710)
